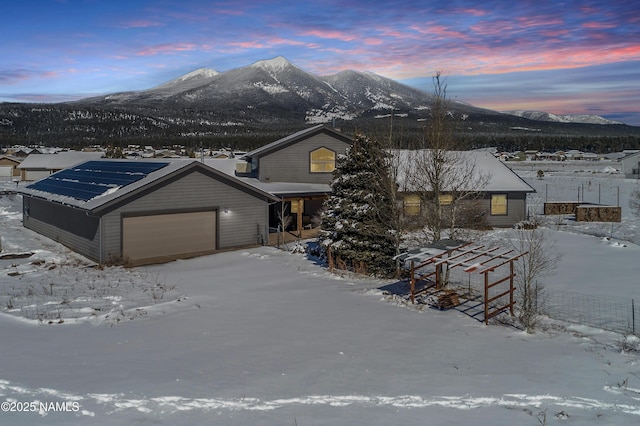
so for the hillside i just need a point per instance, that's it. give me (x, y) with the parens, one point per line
(252, 105)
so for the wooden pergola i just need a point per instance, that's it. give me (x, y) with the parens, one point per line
(472, 258)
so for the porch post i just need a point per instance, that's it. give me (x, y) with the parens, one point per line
(299, 216)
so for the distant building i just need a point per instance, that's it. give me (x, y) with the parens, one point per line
(631, 165)
(9, 167)
(38, 166)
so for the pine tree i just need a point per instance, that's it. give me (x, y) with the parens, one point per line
(357, 216)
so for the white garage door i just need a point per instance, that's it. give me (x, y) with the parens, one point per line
(6, 171)
(168, 236)
(36, 174)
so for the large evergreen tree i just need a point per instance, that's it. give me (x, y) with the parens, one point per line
(357, 216)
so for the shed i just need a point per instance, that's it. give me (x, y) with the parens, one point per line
(141, 212)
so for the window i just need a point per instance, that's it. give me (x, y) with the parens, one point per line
(498, 204)
(323, 160)
(446, 199)
(294, 205)
(412, 205)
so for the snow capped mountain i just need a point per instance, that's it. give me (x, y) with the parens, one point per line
(266, 97)
(275, 65)
(276, 87)
(567, 118)
(189, 80)
(200, 74)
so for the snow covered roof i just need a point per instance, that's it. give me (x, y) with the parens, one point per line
(491, 174)
(498, 176)
(279, 189)
(58, 161)
(9, 158)
(107, 192)
(630, 155)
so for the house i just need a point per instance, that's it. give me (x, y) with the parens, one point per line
(146, 211)
(9, 167)
(500, 195)
(298, 170)
(153, 210)
(38, 166)
(631, 165)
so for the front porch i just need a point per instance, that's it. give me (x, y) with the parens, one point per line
(297, 215)
(278, 239)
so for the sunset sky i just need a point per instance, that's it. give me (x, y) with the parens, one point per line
(564, 57)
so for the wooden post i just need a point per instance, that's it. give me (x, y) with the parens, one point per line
(299, 216)
(511, 287)
(486, 298)
(413, 284)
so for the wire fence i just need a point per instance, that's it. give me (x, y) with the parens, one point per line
(617, 315)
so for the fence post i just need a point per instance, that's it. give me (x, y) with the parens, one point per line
(633, 317)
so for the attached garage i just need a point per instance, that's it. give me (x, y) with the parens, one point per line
(166, 236)
(142, 212)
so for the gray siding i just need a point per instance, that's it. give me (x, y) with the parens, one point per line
(239, 227)
(68, 226)
(631, 166)
(516, 210)
(291, 163)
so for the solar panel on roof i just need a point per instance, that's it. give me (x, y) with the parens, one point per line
(93, 178)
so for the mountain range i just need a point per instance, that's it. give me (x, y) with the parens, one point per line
(272, 97)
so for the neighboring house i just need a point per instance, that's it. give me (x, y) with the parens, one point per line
(501, 198)
(9, 167)
(631, 165)
(146, 211)
(38, 166)
(590, 156)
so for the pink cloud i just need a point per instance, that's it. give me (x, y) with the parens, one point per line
(470, 11)
(440, 31)
(538, 21)
(555, 33)
(18, 75)
(330, 34)
(232, 12)
(167, 49)
(271, 42)
(143, 23)
(597, 25)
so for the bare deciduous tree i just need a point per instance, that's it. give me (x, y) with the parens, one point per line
(634, 201)
(540, 261)
(446, 177)
(284, 220)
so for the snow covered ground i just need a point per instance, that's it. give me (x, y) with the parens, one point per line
(267, 337)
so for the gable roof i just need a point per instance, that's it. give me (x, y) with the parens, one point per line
(493, 174)
(58, 161)
(630, 155)
(297, 137)
(278, 189)
(97, 185)
(11, 159)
